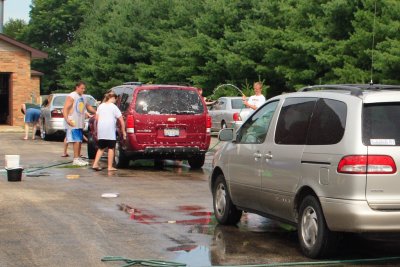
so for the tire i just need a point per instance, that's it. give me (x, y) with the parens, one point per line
(225, 211)
(223, 125)
(158, 163)
(120, 159)
(91, 147)
(197, 162)
(316, 240)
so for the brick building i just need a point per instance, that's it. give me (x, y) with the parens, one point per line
(18, 82)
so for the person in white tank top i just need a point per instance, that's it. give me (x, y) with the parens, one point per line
(74, 111)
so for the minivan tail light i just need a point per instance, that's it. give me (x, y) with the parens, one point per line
(367, 164)
(236, 116)
(130, 124)
(208, 124)
(57, 113)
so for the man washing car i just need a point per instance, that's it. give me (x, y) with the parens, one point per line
(74, 111)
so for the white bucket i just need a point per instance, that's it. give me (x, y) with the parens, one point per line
(12, 161)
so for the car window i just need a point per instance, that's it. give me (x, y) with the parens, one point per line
(222, 104)
(118, 91)
(380, 124)
(91, 101)
(216, 105)
(125, 98)
(294, 120)
(129, 91)
(168, 101)
(59, 101)
(237, 104)
(328, 122)
(256, 128)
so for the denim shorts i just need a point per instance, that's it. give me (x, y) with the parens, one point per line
(32, 115)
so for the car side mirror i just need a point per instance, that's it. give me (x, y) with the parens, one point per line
(226, 134)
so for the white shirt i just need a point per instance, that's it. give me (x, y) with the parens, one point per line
(256, 100)
(107, 115)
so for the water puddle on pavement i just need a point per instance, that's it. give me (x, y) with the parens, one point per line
(199, 256)
(200, 241)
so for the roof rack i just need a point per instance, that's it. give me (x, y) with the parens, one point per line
(133, 83)
(354, 89)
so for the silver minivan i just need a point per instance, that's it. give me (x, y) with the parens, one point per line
(323, 159)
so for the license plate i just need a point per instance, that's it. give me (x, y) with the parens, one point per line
(171, 132)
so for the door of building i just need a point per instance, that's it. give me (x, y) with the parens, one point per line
(4, 97)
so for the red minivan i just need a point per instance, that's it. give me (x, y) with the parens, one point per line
(162, 122)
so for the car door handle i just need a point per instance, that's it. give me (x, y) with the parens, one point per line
(268, 155)
(257, 155)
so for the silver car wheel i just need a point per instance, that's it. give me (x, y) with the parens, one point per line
(220, 199)
(309, 226)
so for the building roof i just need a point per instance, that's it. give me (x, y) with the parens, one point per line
(35, 53)
(36, 73)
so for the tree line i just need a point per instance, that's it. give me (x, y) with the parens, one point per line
(205, 43)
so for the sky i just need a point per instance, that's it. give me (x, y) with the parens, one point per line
(16, 9)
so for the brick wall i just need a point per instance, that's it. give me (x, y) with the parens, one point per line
(18, 62)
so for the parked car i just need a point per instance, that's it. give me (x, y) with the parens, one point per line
(325, 161)
(162, 122)
(228, 112)
(52, 119)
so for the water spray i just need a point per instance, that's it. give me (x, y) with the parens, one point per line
(225, 85)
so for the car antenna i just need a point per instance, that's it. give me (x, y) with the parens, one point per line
(372, 50)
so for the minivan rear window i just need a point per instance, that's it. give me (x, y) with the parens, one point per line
(381, 124)
(168, 101)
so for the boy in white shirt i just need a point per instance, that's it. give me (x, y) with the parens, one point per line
(255, 101)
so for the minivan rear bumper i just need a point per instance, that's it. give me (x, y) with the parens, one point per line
(357, 216)
(172, 150)
(167, 152)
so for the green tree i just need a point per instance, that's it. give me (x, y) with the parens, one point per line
(14, 28)
(288, 44)
(52, 29)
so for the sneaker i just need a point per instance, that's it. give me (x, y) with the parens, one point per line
(83, 161)
(78, 162)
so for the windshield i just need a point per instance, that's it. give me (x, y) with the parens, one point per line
(168, 101)
(380, 127)
(237, 104)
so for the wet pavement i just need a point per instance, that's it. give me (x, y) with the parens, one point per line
(57, 217)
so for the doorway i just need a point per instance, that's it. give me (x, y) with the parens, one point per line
(4, 97)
